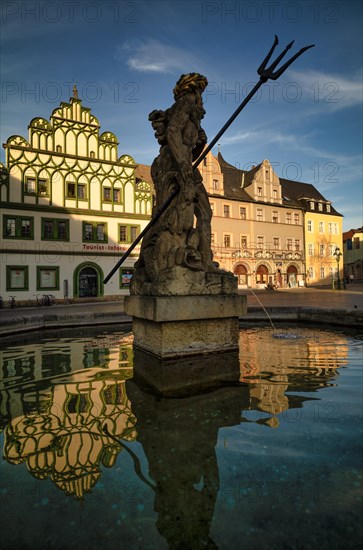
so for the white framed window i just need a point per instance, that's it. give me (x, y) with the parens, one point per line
(260, 242)
(321, 227)
(227, 240)
(322, 250)
(288, 217)
(259, 214)
(310, 226)
(311, 249)
(226, 210)
(243, 212)
(275, 216)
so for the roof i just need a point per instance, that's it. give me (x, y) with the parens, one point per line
(294, 193)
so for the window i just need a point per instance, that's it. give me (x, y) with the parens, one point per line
(328, 208)
(116, 195)
(17, 277)
(92, 154)
(331, 250)
(81, 189)
(330, 228)
(215, 185)
(259, 191)
(43, 187)
(128, 233)
(18, 227)
(74, 191)
(59, 149)
(288, 217)
(296, 218)
(320, 206)
(289, 244)
(55, 229)
(243, 241)
(356, 243)
(47, 278)
(275, 217)
(107, 194)
(242, 213)
(259, 214)
(322, 250)
(312, 205)
(260, 242)
(321, 227)
(311, 249)
(322, 272)
(94, 231)
(311, 273)
(111, 195)
(226, 210)
(267, 173)
(32, 187)
(274, 193)
(297, 245)
(276, 243)
(227, 240)
(310, 226)
(211, 204)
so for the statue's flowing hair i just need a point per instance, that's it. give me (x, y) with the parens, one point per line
(189, 82)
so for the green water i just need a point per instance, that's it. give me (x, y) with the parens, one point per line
(92, 458)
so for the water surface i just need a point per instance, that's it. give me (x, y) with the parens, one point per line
(94, 459)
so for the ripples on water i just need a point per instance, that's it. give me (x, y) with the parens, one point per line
(271, 460)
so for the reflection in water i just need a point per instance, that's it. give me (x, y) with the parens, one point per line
(70, 407)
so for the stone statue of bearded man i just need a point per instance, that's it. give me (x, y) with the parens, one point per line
(176, 256)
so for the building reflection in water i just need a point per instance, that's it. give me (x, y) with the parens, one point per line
(55, 423)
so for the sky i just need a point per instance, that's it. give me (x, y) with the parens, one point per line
(125, 58)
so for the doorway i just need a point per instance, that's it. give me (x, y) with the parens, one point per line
(88, 283)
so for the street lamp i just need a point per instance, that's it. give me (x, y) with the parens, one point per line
(337, 255)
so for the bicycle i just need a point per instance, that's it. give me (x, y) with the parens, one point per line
(12, 303)
(37, 300)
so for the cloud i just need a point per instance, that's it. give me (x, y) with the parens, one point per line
(337, 91)
(153, 56)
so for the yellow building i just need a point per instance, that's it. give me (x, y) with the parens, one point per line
(270, 230)
(70, 207)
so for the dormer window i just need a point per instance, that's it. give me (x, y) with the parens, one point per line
(328, 208)
(259, 191)
(320, 206)
(312, 205)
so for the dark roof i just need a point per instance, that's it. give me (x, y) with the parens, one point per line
(349, 234)
(294, 193)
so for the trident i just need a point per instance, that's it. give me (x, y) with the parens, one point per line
(266, 73)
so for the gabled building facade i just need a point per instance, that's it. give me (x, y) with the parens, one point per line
(70, 206)
(270, 230)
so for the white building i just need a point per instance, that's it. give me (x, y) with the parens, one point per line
(69, 208)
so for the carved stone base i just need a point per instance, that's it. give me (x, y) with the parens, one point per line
(180, 281)
(178, 326)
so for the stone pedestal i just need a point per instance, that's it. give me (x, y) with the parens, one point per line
(179, 326)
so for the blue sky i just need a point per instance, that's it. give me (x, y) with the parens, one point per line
(125, 58)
